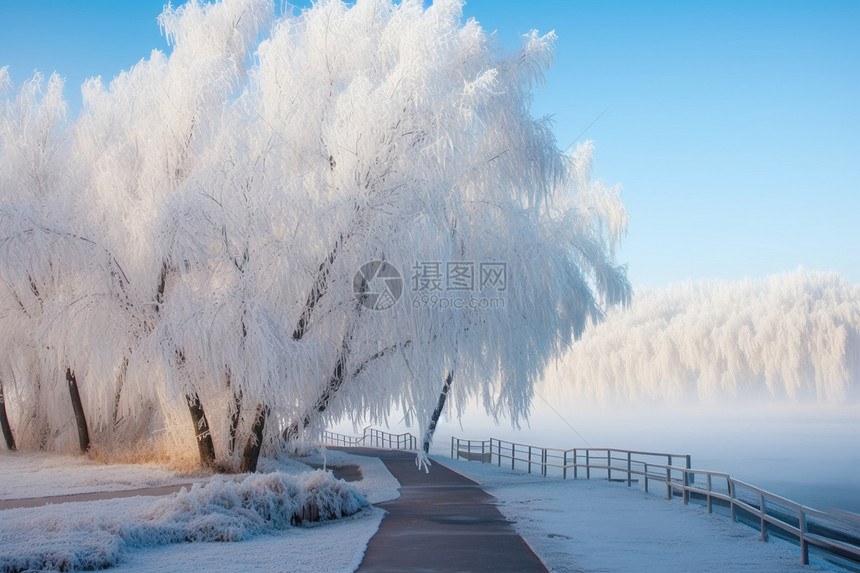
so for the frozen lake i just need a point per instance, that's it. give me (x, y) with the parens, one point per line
(809, 453)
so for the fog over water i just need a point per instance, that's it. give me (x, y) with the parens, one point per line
(805, 452)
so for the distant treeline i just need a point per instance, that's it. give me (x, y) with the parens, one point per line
(791, 336)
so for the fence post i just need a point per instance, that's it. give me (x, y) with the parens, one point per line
(564, 470)
(646, 476)
(691, 476)
(543, 462)
(709, 492)
(452, 449)
(629, 481)
(732, 499)
(530, 459)
(686, 492)
(669, 475)
(763, 508)
(513, 454)
(587, 465)
(609, 465)
(499, 448)
(804, 545)
(575, 468)
(669, 479)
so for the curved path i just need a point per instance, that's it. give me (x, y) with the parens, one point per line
(442, 521)
(91, 496)
(348, 473)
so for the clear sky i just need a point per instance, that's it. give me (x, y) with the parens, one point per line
(733, 126)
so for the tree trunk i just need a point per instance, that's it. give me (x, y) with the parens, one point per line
(234, 420)
(201, 427)
(39, 419)
(236, 416)
(322, 402)
(255, 441)
(335, 382)
(78, 407)
(317, 291)
(120, 381)
(440, 407)
(4, 421)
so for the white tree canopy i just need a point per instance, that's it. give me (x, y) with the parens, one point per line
(197, 231)
(793, 336)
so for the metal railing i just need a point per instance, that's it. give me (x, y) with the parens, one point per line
(342, 440)
(575, 461)
(372, 438)
(837, 534)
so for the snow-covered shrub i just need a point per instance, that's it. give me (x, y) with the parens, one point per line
(232, 508)
(223, 509)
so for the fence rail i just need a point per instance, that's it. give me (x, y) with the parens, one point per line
(372, 438)
(575, 461)
(837, 534)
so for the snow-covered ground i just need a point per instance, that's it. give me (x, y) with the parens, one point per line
(140, 533)
(41, 474)
(571, 525)
(594, 525)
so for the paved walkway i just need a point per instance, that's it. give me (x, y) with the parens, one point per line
(348, 473)
(94, 496)
(442, 521)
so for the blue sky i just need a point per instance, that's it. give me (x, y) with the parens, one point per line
(733, 126)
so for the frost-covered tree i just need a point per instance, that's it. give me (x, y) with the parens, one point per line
(793, 336)
(193, 249)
